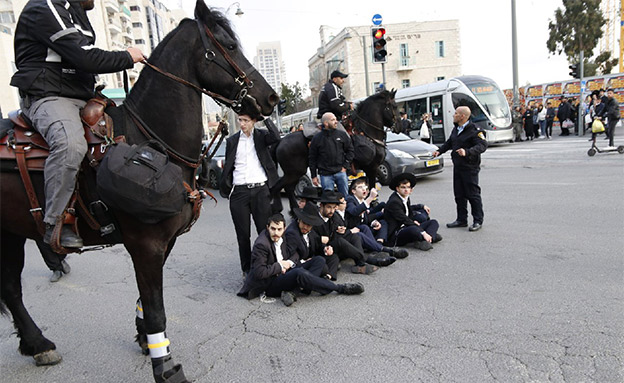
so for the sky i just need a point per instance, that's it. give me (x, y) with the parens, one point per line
(485, 31)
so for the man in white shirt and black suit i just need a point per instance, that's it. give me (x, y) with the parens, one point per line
(248, 174)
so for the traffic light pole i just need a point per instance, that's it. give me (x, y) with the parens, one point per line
(580, 119)
(383, 74)
(365, 66)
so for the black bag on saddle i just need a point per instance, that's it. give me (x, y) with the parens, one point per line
(140, 180)
(363, 148)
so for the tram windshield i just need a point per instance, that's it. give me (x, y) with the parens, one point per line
(491, 98)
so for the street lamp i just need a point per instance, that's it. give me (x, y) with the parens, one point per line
(239, 11)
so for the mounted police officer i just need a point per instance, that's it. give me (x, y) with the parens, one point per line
(331, 98)
(56, 63)
(467, 142)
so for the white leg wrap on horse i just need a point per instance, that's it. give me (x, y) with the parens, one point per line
(158, 345)
(139, 309)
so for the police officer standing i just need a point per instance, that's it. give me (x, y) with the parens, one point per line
(467, 142)
(331, 98)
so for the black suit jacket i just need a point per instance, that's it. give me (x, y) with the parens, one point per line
(264, 265)
(262, 140)
(395, 215)
(297, 245)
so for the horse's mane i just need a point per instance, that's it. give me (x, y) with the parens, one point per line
(214, 17)
(377, 97)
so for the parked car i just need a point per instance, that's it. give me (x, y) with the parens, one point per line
(408, 155)
(215, 168)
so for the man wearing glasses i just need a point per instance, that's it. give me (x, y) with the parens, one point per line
(248, 174)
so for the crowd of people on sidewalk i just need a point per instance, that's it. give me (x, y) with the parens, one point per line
(536, 120)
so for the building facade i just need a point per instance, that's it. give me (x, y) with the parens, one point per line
(268, 61)
(118, 24)
(418, 53)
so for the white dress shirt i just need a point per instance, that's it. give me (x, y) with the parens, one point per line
(247, 166)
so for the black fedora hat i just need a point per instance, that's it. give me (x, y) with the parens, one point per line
(329, 196)
(400, 178)
(310, 193)
(309, 214)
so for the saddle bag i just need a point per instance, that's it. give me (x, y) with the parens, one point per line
(363, 148)
(140, 181)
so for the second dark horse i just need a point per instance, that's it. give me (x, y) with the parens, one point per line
(369, 120)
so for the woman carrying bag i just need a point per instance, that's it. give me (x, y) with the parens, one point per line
(425, 129)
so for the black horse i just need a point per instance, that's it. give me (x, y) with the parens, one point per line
(206, 53)
(369, 120)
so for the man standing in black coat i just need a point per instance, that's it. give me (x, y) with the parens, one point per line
(467, 142)
(276, 271)
(564, 112)
(612, 112)
(248, 174)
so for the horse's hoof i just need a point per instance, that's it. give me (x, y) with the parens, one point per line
(47, 358)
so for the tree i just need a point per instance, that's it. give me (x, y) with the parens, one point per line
(293, 95)
(576, 28)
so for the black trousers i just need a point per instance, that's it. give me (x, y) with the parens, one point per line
(244, 204)
(466, 189)
(410, 234)
(306, 276)
(549, 124)
(610, 131)
(51, 259)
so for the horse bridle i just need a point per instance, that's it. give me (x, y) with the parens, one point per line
(240, 77)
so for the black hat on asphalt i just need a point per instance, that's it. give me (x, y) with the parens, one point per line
(310, 193)
(338, 73)
(309, 215)
(401, 178)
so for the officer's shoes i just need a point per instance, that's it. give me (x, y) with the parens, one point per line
(69, 239)
(474, 227)
(456, 224)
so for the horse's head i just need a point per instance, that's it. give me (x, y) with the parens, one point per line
(391, 111)
(223, 69)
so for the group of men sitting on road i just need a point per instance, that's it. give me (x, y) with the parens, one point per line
(306, 255)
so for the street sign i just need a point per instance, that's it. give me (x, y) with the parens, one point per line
(377, 19)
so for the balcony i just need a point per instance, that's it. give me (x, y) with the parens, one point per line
(112, 6)
(405, 68)
(113, 27)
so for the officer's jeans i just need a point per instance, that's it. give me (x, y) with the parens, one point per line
(340, 179)
(58, 121)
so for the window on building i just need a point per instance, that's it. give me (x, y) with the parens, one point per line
(405, 83)
(7, 17)
(439, 48)
(135, 8)
(404, 55)
(139, 42)
(137, 25)
(440, 78)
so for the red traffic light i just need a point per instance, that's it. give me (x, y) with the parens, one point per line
(379, 33)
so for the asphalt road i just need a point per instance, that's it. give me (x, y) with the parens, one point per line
(535, 296)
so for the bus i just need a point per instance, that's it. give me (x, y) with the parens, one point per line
(298, 118)
(487, 103)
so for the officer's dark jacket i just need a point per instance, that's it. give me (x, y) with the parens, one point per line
(54, 51)
(264, 265)
(262, 139)
(330, 151)
(612, 109)
(332, 100)
(472, 140)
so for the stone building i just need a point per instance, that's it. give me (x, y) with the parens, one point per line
(418, 53)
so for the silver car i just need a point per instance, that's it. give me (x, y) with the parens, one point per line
(408, 155)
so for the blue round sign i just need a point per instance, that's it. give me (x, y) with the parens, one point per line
(377, 19)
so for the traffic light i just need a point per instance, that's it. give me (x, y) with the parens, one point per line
(379, 44)
(281, 107)
(574, 72)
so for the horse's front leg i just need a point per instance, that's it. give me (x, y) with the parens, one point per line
(148, 264)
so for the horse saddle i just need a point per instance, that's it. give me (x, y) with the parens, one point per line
(18, 136)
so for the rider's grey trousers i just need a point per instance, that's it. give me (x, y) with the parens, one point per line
(58, 121)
